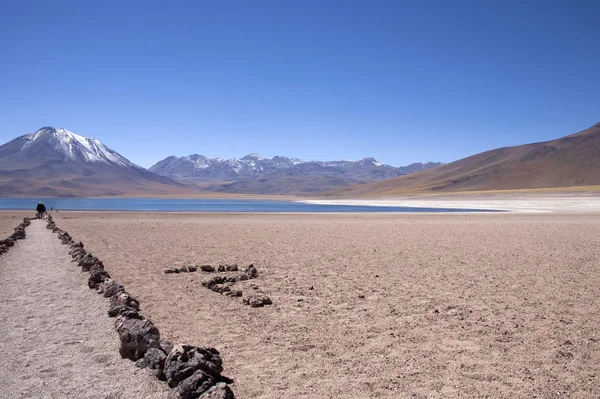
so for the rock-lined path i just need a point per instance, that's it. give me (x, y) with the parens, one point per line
(56, 340)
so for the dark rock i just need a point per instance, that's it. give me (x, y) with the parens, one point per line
(76, 251)
(18, 235)
(233, 293)
(185, 360)
(78, 256)
(97, 275)
(136, 336)
(257, 299)
(154, 359)
(221, 289)
(102, 286)
(193, 386)
(65, 238)
(114, 311)
(9, 242)
(251, 271)
(207, 268)
(88, 261)
(130, 313)
(214, 281)
(219, 391)
(86, 258)
(124, 298)
(96, 267)
(228, 268)
(166, 346)
(171, 270)
(111, 288)
(192, 269)
(122, 302)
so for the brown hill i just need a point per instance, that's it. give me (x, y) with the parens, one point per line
(566, 162)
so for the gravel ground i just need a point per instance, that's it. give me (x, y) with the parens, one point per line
(373, 306)
(56, 340)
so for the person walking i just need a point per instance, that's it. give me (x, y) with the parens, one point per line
(41, 210)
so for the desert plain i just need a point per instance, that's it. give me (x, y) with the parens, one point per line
(499, 305)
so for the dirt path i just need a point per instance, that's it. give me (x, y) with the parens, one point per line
(56, 340)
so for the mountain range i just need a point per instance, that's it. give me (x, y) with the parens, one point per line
(278, 175)
(570, 161)
(57, 162)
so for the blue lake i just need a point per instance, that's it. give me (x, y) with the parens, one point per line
(198, 205)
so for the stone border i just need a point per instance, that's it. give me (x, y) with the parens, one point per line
(19, 234)
(224, 284)
(193, 372)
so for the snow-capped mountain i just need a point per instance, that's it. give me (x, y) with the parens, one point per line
(254, 174)
(61, 144)
(201, 168)
(58, 162)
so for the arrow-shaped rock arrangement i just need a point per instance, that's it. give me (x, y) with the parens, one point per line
(192, 372)
(224, 284)
(19, 234)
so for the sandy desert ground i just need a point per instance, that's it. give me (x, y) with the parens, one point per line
(373, 306)
(11, 219)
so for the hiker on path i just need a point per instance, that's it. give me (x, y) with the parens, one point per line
(41, 210)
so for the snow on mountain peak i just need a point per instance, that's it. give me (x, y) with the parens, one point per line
(198, 161)
(370, 160)
(253, 157)
(75, 147)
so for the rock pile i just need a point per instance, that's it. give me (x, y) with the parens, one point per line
(19, 234)
(224, 285)
(192, 372)
(257, 300)
(195, 372)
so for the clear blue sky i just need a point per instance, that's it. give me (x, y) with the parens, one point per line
(401, 81)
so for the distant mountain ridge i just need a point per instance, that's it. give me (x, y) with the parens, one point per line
(57, 162)
(254, 174)
(204, 168)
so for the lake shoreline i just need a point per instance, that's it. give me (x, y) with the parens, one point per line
(211, 205)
